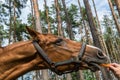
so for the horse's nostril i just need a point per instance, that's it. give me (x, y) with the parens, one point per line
(100, 55)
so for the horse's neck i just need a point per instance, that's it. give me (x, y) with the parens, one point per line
(17, 51)
(16, 59)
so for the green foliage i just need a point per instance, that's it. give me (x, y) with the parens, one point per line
(30, 19)
(73, 15)
(19, 4)
(20, 31)
(113, 2)
(109, 27)
(111, 38)
(3, 14)
(75, 75)
(3, 34)
(84, 13)
(88, 75)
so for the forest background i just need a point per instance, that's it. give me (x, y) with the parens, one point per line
(96, 22)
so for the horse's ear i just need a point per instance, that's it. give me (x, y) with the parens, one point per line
(32, 32)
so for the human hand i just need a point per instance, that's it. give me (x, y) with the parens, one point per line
(115, 68)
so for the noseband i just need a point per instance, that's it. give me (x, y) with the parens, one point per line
(53, 66)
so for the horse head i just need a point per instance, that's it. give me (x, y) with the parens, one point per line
(47, 51)
(61, 50)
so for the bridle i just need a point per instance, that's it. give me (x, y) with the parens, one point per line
(53, 66)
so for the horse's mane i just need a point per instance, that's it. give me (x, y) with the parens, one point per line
(14, 45)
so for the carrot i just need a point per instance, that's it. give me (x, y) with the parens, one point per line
(105, 65)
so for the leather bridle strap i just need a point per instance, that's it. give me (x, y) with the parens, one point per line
(82, 50)
(53, 66)
(42, 53)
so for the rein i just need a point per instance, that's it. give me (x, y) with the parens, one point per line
(53, 66)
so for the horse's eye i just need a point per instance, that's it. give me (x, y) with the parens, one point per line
(58, 42)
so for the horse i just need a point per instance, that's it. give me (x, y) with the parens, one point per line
(48, 51)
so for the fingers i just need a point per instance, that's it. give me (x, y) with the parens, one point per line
(112, 68)
(115, 64)
(115, 68)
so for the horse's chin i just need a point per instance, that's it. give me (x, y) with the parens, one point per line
(94, 67)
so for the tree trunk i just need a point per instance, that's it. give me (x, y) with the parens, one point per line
(84, 24)
(94, 33)
(37, 16)
(102, 41)
(32, 13)
(92, 24)
(114, 16)
(39, 29)
(81, 75)
(47, 17)
(45, 75)
(68, 76)
(10, 20)
(14, 22)
(69, 30)
(98, 23)
(117, 2)
(97, 20)
(60, 33)
(67, 19)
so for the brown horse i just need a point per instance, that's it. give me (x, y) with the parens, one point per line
(58, 54)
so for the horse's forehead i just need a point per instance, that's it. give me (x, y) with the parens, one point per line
(51, 37)
(48, 37)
